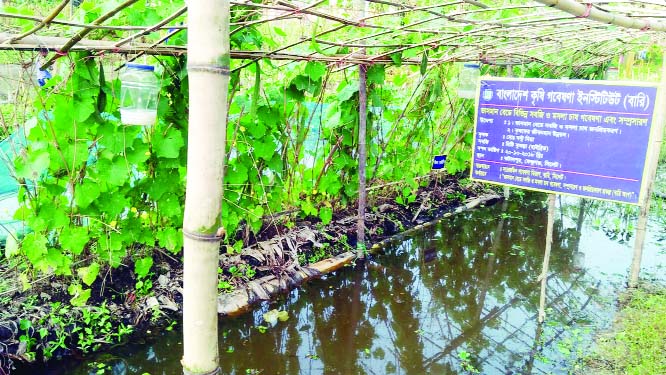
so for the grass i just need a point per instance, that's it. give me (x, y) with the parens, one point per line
(638, 342)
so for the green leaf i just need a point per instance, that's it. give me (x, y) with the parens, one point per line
(34, 165)
(308, 208)
(171, 239)
(257, 130)
(400, 78)
(86, 193)
(118, 172)
(347, 92)
(376, 98)
(326, 215)
(236, 175)
(74, 239)
(50, 215)
(171, 206)
(79, 295)
(376, 74)
(34, 247)
(315, 70)
(264, 150)
(58, 261)
(396, 58)
(89, 274)
(424, 63)
(83, 110)
(142, 266)
(112, 203)
(139, 152)
(25, 324)
(169, 145)
(279, 31)
(11, 245)
(304, 83)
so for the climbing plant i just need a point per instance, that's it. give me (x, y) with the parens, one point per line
(93, 188)
(94, 191)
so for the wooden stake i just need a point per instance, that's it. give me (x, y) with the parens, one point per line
(208, 71)
(546, 257)
(362, 152)
(652, 162)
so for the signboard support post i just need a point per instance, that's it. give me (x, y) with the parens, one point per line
(546, 257)
(509, 73)
(653, 162)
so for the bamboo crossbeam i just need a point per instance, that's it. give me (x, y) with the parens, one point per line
(51, 43)
(581, 10)
(329, 17)
(78, 36)
(528, 35)
(154, 45)
(289, 12)
(426, 9)
(76, 24)
(33, 43)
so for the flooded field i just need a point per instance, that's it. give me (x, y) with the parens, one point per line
(458, 297)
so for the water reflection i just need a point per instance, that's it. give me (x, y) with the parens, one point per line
(458, 296)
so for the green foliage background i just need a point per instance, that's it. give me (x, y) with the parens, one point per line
(95, 192)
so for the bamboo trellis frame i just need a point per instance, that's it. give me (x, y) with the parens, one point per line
(448, 31)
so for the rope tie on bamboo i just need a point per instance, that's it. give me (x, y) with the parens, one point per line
(647, 26)
(205, 237)
(215, 69)
(586, 14)
(59, 53)
(217, 371)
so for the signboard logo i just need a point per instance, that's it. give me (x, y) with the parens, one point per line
(487, 94)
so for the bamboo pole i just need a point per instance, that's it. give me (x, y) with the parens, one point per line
(546, 257)
(588, 11)
(208, 71)
(658, 124)
(362, 152)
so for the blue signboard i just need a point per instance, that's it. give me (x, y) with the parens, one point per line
(438, 161)
(585, 138)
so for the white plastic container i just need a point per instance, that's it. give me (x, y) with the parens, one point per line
(139, 95)
(467, 81)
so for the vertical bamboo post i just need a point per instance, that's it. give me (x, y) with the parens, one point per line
(658, 123)
(509, 73)
(208, 71)
(362, 152)
(546, 257)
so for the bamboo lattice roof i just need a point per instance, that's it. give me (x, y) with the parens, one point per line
(389, 31)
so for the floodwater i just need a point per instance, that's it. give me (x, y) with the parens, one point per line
(458, 297)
